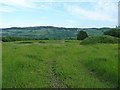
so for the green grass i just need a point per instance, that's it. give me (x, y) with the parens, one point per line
(56, 64)
(0, 65)
(100, 39)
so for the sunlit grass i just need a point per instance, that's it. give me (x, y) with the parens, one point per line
(52, 64)
(0, 64)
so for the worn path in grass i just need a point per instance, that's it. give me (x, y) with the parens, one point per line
(56, 82)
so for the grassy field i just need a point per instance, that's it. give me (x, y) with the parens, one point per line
(0, 65)
(53, 64)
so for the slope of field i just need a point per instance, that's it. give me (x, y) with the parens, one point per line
(0, 64)
(54, 63)
(50, 32)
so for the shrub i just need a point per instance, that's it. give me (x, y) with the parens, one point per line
(42, 42)
(82, 35)
(100, 39)
(9, 39)
(5, 39)
(113, 32)
(27, 42)
(46, 38)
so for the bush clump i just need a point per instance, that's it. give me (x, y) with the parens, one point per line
(42, 42)
(82, 35)
(113, 32)
(100, 39)
(27, 42)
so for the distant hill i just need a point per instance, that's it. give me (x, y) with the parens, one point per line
(49, 32)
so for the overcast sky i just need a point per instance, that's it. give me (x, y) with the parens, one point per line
(65, 13)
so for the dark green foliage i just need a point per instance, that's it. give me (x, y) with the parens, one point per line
(100, 39)
(46, 38)
(42, 42)
(9, 39)
(53, 33)
(82, 35)
(113, 32)
(26, 42)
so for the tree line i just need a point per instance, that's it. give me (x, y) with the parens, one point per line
(113, 32)
(80, 36)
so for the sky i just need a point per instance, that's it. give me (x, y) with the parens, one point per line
(60, 13)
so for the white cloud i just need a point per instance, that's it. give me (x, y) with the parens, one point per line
(101, 12)
(6, 9)
(18, 3)
(10, 5)
(108, 7)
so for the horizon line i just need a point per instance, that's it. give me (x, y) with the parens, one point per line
(53, 26)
